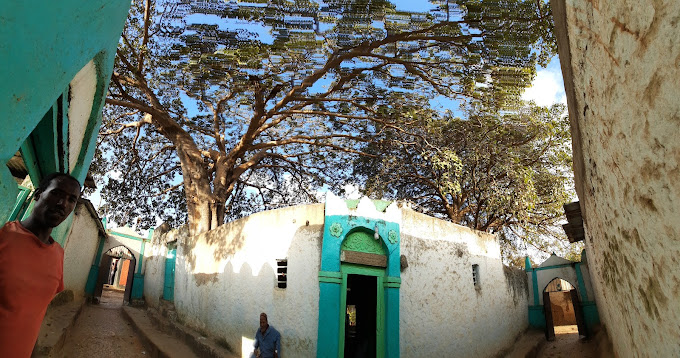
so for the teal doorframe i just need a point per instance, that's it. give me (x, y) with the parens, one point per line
(169, 277)
(94, 270)
(379, 273)
(336, 229)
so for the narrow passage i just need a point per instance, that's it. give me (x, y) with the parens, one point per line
(568, 345)
(101, 331)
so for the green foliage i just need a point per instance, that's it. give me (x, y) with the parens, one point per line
(506, 172)
(243, 120)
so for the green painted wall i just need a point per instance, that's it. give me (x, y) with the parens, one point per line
(43, 46)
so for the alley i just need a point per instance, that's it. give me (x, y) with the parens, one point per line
(568, 345)
(101, 331)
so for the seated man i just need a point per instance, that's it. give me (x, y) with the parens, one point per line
(31, 265)
(267, 340)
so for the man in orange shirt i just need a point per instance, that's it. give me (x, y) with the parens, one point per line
(31, 265)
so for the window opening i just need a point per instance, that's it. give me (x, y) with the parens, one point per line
(282, 273)
(475, 275)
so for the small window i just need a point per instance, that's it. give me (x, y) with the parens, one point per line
(475, 275)
(281, 273)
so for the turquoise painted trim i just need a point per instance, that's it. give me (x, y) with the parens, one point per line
(91, 280)
(329, 311)
(379, 273)
(330, 279)
(331, 292)
(527, 263)
(581, 283)
(534, 284)
(137, 286)
(115, 233)
(392, 322)
(330, 251)
(19, 204)
(536, 317)
(8, 192)
(590, 314)
(141, 258)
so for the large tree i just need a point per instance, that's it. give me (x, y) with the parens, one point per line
(271, 98)
(489, 168)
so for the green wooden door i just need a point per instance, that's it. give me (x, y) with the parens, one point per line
(169, 282)
(379, 274)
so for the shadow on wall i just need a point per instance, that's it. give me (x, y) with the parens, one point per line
(222, 249)
(227, 304)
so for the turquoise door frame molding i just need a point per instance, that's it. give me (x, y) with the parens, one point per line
(331, 312)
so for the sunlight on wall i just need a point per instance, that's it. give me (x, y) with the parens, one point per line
(246, 347)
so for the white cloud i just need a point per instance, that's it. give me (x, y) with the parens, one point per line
(548, 87)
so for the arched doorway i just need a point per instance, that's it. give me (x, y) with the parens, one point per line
(116, 274)
(563, 314)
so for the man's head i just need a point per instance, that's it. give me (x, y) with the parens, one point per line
(263, 322)
(55, 198)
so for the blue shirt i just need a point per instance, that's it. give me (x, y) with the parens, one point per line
(268, 342)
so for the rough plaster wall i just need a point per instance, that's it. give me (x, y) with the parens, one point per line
(80, 249)
(442, 314)
(625, 59)
(226, 277)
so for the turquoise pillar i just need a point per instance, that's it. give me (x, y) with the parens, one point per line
(94, 269)
(327, 344)
(392, 318)
(536, 313)
(581, 283)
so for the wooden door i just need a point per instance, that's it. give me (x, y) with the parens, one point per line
(549, 324)
(578, 312)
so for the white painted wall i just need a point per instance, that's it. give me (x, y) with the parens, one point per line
(621, 61)
(226, 277)
(442, 314)
(80, 249)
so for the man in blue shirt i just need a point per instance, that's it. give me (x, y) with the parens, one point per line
(267, 340)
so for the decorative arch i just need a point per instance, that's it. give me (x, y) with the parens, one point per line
(121, 251)
(559, 278)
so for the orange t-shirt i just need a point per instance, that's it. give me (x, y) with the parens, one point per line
(31, 273)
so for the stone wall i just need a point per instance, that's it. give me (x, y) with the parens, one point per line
(621, 65)
(442, 312)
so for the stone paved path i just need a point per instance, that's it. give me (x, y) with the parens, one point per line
(567, 345)
(101, 331)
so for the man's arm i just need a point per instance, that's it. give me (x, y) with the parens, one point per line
(278, 345)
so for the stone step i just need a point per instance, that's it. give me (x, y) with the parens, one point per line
(157, 330)
(158, 343)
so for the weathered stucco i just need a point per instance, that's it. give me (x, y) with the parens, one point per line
(621, 64)
(226, 277)
(442, 313)
(80, 249)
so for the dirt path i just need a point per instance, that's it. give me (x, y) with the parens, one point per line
(101, 331)
(567, 345)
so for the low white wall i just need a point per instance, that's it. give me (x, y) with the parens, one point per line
(80, 249)
(226, 277)
(442, 313)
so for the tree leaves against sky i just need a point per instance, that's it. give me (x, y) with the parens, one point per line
(201, 107)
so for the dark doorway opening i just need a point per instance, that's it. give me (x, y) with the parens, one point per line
(360, 319)
(116, 274)
(563, 314)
